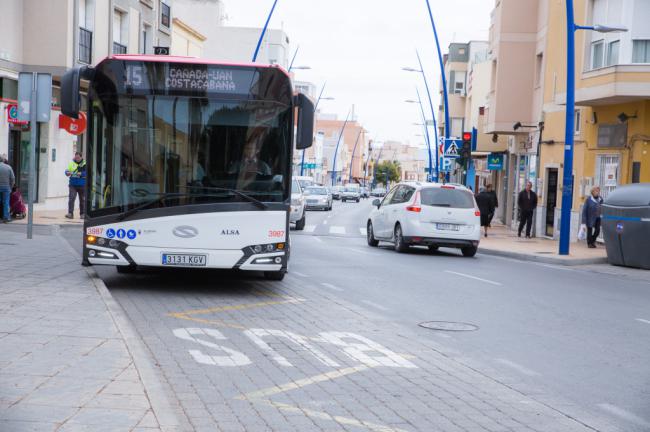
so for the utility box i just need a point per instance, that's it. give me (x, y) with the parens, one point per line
(626, 226)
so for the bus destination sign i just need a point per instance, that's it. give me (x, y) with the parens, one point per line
(190, 78)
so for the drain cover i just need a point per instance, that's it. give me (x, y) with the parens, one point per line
(448, 326)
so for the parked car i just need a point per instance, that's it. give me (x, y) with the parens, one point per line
(351, 193)
(426, 214)
(365, 192)
(318, 197)
(378, 192)
(305, 181)
(298, 213)
(336, 192)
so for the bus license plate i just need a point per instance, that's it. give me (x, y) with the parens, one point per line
(188, 260)
(447, 227)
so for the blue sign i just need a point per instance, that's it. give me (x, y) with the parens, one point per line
(131, 234)
(495, 162)
(110, 233)
(452, 148)
(121, 233)
(445, 165)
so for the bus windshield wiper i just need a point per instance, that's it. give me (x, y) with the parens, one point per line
(239, 193)
(163, 197)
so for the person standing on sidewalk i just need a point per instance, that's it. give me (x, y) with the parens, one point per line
(591, 216)
(486, 207)
(495, 202)
(527, 202)
(77, 185)
(7, 181)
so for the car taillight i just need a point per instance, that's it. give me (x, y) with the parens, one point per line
(415, 205)
(477, 213)
(447, 187)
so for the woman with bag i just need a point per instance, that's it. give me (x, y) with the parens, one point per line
(591, 216)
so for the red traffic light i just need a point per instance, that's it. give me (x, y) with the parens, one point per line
(467, 136)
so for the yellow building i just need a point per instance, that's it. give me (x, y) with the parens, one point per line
(612, 118)
(186, 41)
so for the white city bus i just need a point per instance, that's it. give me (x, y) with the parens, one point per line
(189, 162)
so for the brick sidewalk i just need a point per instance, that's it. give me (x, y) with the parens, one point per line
(504, 242)
(65, 363)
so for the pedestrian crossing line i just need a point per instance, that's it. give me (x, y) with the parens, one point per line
(332, 287)
(310, 228)
(643, 320)
(337, 230)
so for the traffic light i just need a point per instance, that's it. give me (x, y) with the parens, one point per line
(466, 150)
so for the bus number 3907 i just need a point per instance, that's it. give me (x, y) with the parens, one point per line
(276, 234)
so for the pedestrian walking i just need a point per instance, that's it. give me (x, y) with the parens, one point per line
(591, 216)
(495, 202)
(7, 181)
(77, 184)
(486, 207)
(527, 202)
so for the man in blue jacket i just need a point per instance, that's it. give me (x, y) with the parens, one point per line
(591, 216)
(77, 173)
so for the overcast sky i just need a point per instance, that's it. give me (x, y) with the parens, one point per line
(360, 46)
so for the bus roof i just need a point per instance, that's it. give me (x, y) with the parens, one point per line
(191, 60)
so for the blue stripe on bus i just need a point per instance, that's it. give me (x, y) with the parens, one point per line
(622, 218)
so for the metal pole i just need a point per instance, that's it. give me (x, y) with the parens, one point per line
(354, 149)
(426, 133)
(433, 116)
(266, 24)
(567, 180)
(294, 58)
(32, 158)
(442, 71)
(336, 150)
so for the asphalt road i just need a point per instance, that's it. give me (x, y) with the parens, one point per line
(572, 344)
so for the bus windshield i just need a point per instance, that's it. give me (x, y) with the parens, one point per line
(147, 145)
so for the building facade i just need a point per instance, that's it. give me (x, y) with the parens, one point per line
(51, 37)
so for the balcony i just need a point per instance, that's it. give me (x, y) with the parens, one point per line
(85, 45)
(118, 48)
(613, 85)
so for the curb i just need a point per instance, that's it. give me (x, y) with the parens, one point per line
(170, 417)
(542, 259)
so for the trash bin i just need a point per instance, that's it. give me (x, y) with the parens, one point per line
(626, 225)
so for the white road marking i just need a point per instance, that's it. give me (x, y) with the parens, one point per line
(625, 415)
(359, 348)
(363, 231)
(317, 239)
(375, 305)
(231, 359)
(332, 287)
(325, 221)
(473, 277)
(310, 228)
(643, 320)
(519, 368)
(299, 274)
(555, 267)
(257, 335)
(337, 230)
(359, 251)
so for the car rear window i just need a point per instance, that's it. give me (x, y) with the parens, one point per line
(441, 197)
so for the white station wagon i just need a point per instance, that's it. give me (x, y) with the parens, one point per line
(426, 214)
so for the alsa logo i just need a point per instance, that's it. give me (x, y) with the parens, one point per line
(230, 232)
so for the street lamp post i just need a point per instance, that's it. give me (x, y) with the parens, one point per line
(266, 25)
(354, 149)
(567, 180)
(336, 150)
(442, 72)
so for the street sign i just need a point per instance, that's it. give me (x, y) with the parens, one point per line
(445, 165)
(43, 103)
(452, 148)
(309, 165)
(495, 162)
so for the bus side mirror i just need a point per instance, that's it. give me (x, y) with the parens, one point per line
(70, 95)
(305, 133)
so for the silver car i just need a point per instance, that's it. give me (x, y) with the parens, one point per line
(318, 198)
(351, 193)
(297, 206)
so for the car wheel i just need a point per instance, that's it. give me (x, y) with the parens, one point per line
(433, 248)
(127, 269)
(300, 224)
(275, 275)
(398, 238)
(469, 251)
(370, 236)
